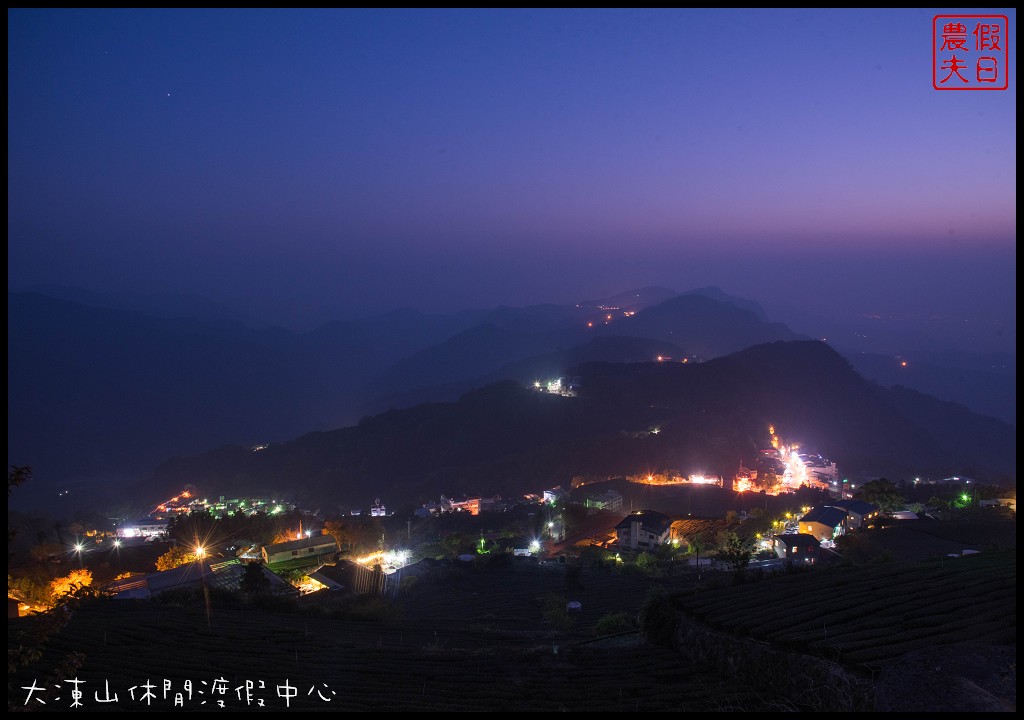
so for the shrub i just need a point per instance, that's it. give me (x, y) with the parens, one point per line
(556, 614)
(659, 618)
(615, 623)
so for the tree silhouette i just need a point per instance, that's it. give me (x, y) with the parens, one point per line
(253, 580)
(697, 545)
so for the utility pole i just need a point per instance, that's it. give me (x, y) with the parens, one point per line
(408, 530)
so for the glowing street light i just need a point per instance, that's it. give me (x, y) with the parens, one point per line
(200, 551)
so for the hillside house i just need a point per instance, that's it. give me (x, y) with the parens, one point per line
(799, 548)
(643, 530)
(859, 513)
(825, 522)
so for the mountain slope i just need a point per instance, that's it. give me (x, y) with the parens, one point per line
(694, 323)
(508, 439)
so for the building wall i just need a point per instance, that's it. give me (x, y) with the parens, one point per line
(286, 555)
(820, 530)
(637, 538)
(854, 520)
(795, 554)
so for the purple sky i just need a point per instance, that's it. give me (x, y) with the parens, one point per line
(291, 162)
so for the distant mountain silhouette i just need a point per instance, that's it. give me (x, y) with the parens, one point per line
(106, 388)
(509, 439)
(705, 326)
(105, 393)
(161, 305)
(716, 293)
(633, 300)
(694, 324)
(987, 389)
(543, 367)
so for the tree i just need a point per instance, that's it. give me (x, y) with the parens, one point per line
(555, 612)
(882, 493)
(253, 579)
(59, 587)
(18, 475)
(942, 506)
(29, 590)
(456, 544)
(175, 557)
(735, 550)
(284, 536)
(354, 535)
(647, 562)
(697, 546)
(659, 618)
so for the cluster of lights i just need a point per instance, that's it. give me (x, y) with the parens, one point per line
(389, 560)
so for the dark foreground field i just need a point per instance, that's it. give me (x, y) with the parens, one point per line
(470, 640)
(477, 639)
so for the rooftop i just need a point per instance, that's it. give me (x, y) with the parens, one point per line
(651, 520)
(826, 515)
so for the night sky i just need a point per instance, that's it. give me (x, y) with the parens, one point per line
(315, 163)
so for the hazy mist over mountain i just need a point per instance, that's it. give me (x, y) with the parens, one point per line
(108, 388)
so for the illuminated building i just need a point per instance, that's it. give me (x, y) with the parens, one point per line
(147, 528)
(859, 512)
(824, 522)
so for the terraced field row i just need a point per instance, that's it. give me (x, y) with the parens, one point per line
(875, 614)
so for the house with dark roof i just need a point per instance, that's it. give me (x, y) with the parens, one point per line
(859, 513)
(799, 548)
(643, 530)
(825, 522)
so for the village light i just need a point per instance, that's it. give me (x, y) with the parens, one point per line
(534, 546)
(117, 543)
(200, 551)
(79, 547)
